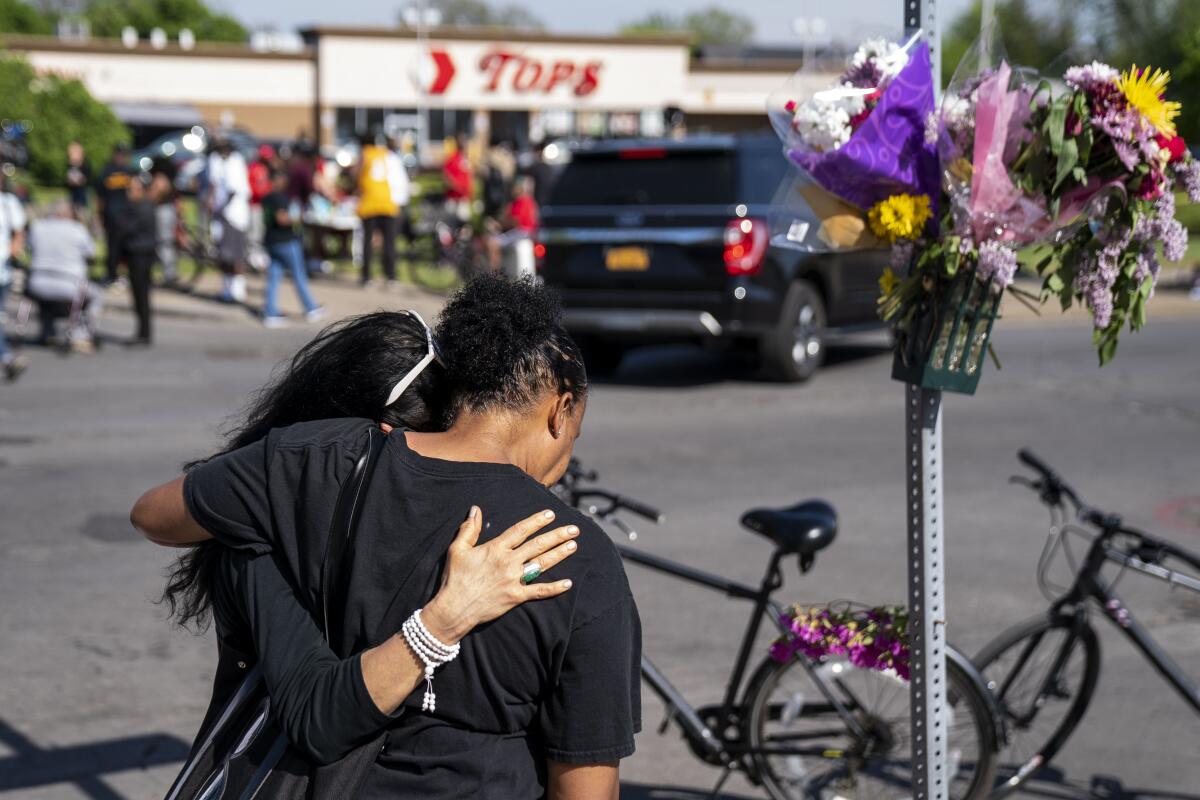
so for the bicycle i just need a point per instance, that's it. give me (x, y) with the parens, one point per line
(1043, 672)
(801, 728)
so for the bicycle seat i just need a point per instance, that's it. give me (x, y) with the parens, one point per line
(804, 528)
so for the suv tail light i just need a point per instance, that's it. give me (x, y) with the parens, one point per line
(539, 255)
(745, 246)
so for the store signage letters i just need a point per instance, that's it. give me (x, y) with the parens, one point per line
(524, 74)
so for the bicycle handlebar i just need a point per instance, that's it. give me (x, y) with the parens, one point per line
(621, 502)
(1053, 488)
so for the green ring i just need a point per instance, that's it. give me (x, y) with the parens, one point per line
(529, 576)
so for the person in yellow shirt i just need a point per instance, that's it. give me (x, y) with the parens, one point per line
(376, 208)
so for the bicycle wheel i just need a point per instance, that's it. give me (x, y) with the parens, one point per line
(1039, 713)
(818, 757)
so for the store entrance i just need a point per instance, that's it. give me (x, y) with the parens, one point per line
(510, 126)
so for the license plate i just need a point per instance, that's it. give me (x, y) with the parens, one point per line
(627, 259)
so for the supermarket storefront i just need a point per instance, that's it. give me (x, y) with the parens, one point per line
(521, 86)
(524, 89)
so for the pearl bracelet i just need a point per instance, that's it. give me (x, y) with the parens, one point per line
(430, 650)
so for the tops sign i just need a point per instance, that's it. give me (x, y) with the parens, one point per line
(503, 69)
(484, 74)
(524, 74)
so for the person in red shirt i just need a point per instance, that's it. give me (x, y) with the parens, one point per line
(523, 210)
(456, 172)
(520, 228)
(259, 174)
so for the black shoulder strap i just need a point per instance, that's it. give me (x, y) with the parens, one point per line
(341, 535)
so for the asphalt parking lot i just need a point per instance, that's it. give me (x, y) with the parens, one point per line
(100, 697)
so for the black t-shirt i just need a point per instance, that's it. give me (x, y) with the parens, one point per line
(273, 232)
(556, 679)
(111, 189)
(78, 177)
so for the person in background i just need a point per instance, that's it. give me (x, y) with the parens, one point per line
(229, 202)
(12, 245)
(140, 244)
(60, 249)
(259, 174)
(112, 202)
(167, 232)
(520, 224)
(456, 173)
(499, 169)
(376, 208)
(281, 236)
(79, 177)
(401, 188)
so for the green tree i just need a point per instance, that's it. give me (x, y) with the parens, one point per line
(109, 17)
(1164, 33)
(59, 111)
(710, 25)
(477, 13)
(1030, 39)
(17, 16)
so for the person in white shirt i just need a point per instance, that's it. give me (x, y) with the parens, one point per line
(12, 243)
(229, 206)
(60, 248)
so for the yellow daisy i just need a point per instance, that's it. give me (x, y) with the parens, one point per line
(1146, 92)
(888, 282)
(901, 216)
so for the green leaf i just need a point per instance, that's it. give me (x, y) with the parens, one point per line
(1054, 283)
(1068, 157)
(1108, 345)
(1138, 316)
(1056, 126)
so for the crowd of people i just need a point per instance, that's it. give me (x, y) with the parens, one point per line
(273, 213)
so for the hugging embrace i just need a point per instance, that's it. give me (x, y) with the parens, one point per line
(459, 631)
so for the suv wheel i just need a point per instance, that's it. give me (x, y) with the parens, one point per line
(796, 347)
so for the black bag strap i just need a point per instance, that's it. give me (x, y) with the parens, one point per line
(335, 567)
(245, 700)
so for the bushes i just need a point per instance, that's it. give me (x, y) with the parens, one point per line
(58, 111)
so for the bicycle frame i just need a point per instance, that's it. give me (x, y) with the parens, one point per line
(1089, 585)
(695, 729)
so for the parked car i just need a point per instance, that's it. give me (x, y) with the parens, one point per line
(186, 151)
(669, 240)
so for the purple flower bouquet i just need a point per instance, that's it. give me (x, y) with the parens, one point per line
(859, 141)
(870, 638)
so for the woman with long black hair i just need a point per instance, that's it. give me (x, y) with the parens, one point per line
(542, 702)
(328, 705)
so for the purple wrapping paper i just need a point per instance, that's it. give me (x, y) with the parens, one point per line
(888, 154)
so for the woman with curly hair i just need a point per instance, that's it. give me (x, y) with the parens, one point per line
(544, 700)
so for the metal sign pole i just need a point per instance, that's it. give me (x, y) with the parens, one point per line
(924, 515)
(926, 591)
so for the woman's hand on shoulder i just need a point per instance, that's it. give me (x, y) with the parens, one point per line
(484, 581)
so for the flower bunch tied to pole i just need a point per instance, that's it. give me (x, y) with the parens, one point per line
(869, 638)
(855, 142)
(1079, 172)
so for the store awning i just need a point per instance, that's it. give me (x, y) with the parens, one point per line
(181, 115)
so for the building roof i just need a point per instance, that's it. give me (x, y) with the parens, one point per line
(496, 33)
(115, 46)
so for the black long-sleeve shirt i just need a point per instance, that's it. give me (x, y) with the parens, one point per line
(320, 700)
(555, 680)
(139, 234)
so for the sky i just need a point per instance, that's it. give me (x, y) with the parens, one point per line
(772, 18)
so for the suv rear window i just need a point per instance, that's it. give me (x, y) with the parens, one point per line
(649, 178)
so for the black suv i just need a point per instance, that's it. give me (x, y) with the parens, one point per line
(670, 240)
